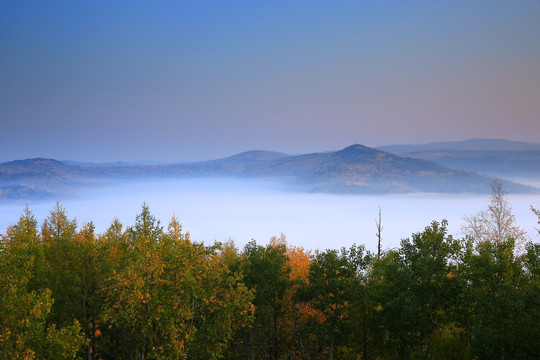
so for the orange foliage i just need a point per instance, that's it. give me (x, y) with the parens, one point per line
(299, 261)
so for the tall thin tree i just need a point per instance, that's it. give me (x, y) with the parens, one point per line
(378, 224)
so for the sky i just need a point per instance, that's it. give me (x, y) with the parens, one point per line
(169, 81)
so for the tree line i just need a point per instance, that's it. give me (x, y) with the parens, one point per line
(149, 292)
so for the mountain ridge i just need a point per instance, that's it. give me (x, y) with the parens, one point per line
(250, 156)
(505, 164)
(353, 169)
(475, 144)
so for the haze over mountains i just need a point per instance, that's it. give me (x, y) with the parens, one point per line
(470, 144)
(455, 167)
(492, 157)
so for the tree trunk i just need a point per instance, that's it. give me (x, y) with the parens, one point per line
(275, 345)
(251, 345)
(332, 348)
(365, 333)
(299, 336)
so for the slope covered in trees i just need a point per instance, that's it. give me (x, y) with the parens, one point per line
(151, 292)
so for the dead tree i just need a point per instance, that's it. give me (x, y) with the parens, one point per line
(379, 226)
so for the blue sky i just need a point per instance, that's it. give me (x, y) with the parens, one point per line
(181, 81)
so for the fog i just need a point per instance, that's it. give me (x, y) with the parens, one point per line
(241, 210)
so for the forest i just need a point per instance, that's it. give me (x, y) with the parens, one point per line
(149, 291)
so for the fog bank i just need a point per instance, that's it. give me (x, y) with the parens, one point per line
(219, 209)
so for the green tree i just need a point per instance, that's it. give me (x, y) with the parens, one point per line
(389, 291)
(57, 233)
(25, 332)
(493, 298)
(220, 303)
(130, 300)
(266, 273)
(429, 260)
(528, 331)
(74, 274)
(87, 276)
(172, 298)
(415, 290)
(335, 291)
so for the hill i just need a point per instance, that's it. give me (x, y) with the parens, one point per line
(505, 164)
(250, 157)
(355, 169)
(359, 169)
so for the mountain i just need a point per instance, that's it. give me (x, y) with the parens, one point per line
(470, 145)
(250, 157)
(355, 169)
(41, 178)
(491, 157)
(359, 169)
(114, 163)
(505, 164)
(35, 178)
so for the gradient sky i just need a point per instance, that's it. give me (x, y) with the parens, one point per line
(162, 80)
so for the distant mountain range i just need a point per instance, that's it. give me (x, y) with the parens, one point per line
(471, 145)
(355, 169)
(492, 157)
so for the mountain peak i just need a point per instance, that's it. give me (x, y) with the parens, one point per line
(355, 151)
(356, 147)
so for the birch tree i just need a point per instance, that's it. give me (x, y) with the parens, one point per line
(497, 223)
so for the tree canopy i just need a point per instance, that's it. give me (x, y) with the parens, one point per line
(151, 292)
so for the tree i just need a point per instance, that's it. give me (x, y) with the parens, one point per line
(528, 330)
(388, 290)
(414, 289)
(265, 272)
(130, 300)
(429, 260)
(57, 233)
(333, 286)
(493, 299)
(172, 298)
(358, 322)
(537, 213)
(497, 223)
(147, 228)
(378, 224)
(295, 314)
(25, 309)
(57, 229)
(87, 276)
(220, 303)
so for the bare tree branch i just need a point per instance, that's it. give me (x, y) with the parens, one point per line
(497, 223)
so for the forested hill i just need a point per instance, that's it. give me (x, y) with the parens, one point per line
(355, 169)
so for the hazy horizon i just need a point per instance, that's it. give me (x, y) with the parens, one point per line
(225, 155)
